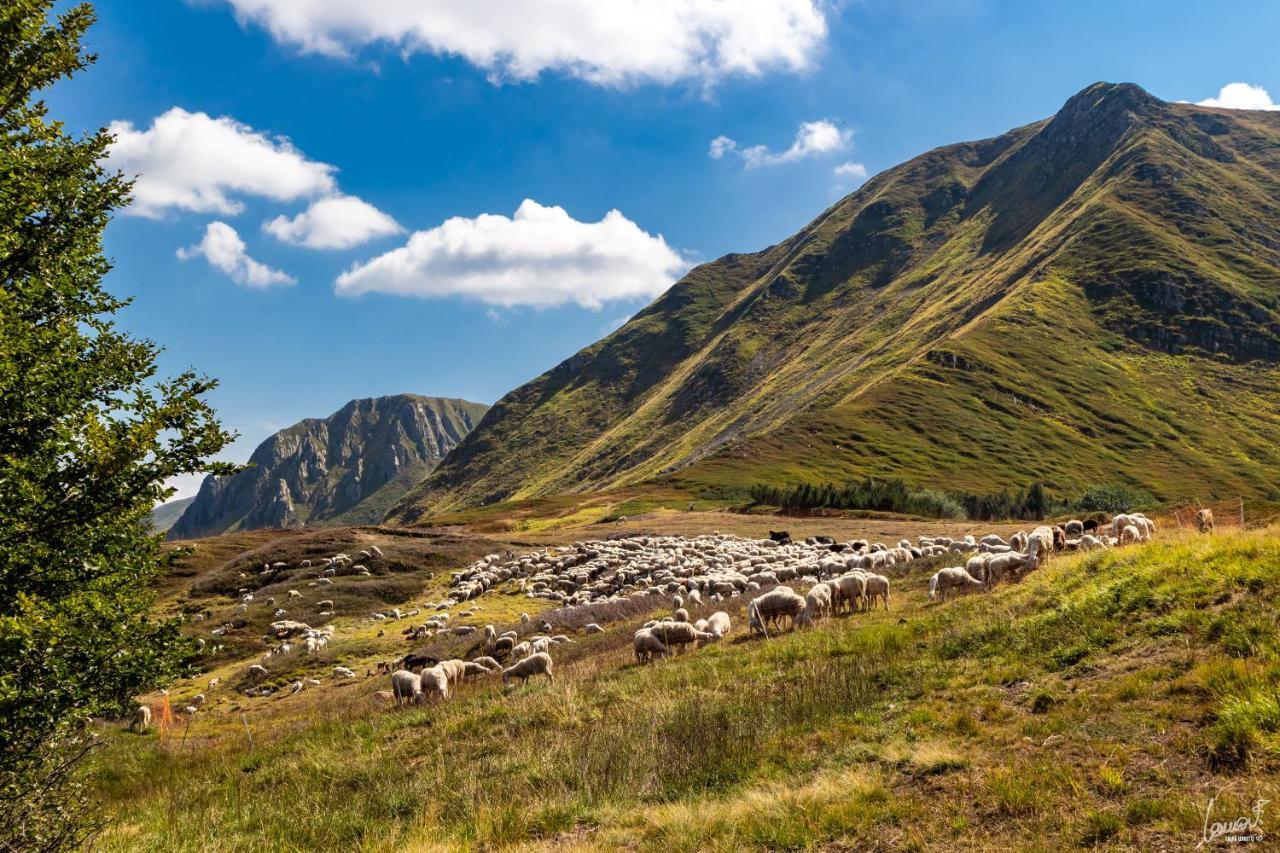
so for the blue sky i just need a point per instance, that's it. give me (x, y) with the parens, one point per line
(458, 112)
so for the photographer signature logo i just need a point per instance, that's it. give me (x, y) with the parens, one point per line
(1243, 830)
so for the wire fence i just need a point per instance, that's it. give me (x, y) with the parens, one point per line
(1229, 512)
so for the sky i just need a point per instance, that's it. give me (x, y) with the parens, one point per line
(343, 199)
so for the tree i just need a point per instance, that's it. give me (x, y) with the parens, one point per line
(88, 437)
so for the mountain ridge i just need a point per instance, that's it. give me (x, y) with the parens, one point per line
(347, 468)
(1121, 237)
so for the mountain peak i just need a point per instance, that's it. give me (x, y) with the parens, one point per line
(346, 468)
(1102, 111)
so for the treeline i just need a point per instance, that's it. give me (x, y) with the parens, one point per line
(1035, 502)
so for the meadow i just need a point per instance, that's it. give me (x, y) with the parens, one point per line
(1101, 702)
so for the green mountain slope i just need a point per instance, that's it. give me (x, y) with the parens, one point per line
(348, 468)
(1091, 297)
(166, 515)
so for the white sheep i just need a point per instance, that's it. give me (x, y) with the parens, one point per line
(1000, 564)
(592, 628)
(850, 589)
(343, 672)
(435, 683)
(535, 664)
(406, 686)
(718, 624)
(877, 587)
(945, 581)
(817, 604)
(774, 606)
(647, 646)
(141, 719)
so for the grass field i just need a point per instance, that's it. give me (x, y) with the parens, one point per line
(1101, 702)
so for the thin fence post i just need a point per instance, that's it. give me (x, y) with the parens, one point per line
(245, 720)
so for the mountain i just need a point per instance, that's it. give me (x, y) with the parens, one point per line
(348, 468)
(1094, 297)
(166, 515)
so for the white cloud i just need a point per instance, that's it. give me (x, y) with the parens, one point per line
(1241, 96)
(812, 138)
(224, 250)
(855, 171)
(337, 222)
(191, 161)
(539, 257)
(721, 146)
(608, 43)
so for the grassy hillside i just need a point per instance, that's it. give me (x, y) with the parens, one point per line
(1103, 701)
(1091, 298)
(166, 515)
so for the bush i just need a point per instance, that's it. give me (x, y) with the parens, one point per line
(1112, 498)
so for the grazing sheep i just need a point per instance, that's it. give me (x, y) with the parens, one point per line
(522, 650)
(1129, 534)
(774, 606)
(198, 700)
(453, 669)
(293, 593)
(1118, 523)
(1204, 521)
(877, 587)
(141, 719)
(945, 581)
(257, 672)
(535, 664)
(343, 672)
(681, 615)
(435, 683)
(1059, 538)
(1074, 528)
(487, 662)
(680, 634)
(850, 589)
(490, 633)
(1040, 543)
(406, 686)
(503, 645)
(471, 669)
(1000, 564)
(647, 646)
(592, 628)
(213, 682)
(1018, 541)
(1089, 542)
(817, 604)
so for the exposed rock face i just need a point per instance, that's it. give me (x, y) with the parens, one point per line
(346, 468)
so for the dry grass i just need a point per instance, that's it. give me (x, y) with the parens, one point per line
(1101, 702)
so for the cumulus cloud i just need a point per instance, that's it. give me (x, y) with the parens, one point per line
(225, 251)
(607, 43)
(853, 171)
(337, 222)
(540, 257)
(812, 138)
(192, 161)
(1241, 96)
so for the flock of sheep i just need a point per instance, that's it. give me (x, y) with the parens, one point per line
(688, 572)
(704, 570)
